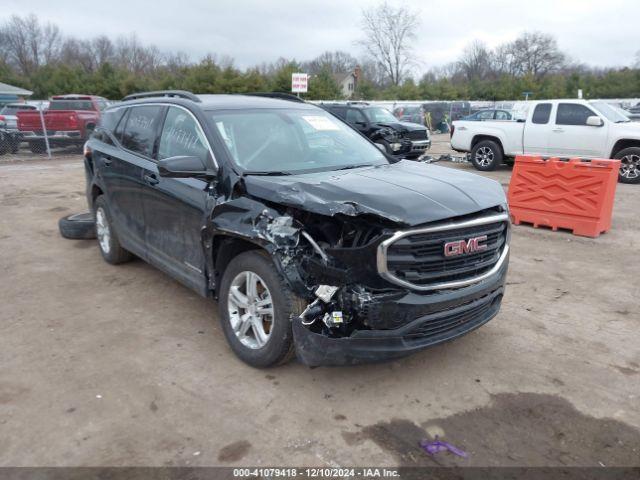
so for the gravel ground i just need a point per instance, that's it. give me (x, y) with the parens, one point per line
(105, 365)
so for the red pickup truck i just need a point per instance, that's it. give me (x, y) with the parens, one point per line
(69, 120)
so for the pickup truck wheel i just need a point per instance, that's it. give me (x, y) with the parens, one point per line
(110, 247)
(486, 155)
(256, 307)
(629, 165)
(38, 147)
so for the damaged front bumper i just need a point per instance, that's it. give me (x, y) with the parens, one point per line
(435, 318)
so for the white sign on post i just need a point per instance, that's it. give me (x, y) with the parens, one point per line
(299, 82)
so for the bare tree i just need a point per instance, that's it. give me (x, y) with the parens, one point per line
(388, 32)
(476, 61)
(135, 57)
(26, 44)
(535, 53)
(335, 62)
(636, 63)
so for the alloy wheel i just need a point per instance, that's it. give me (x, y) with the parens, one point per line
(250, 309)
(630, 166)
(484, 156)
(102, 230)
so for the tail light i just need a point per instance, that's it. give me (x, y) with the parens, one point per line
(73, 121)
(86, 151)
(2, 118)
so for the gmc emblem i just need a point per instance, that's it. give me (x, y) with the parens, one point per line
(464, 247)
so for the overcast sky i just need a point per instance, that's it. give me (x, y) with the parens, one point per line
(599, 33)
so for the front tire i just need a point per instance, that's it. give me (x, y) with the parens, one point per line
(629, 165)
(38, 147)
(256, 308)
(110, 247)
(486, 155)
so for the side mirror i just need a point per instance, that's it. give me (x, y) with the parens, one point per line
(594, 121)
(184, 167)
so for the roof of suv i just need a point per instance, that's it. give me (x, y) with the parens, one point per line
(222, 102)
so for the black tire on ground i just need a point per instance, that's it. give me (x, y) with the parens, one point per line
(630, 165)
(286, 305)
(111, 251)
(79, 226)
(5, 145)
(38, 146)
(486, 155)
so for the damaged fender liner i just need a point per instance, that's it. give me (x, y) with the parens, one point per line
(365, 346)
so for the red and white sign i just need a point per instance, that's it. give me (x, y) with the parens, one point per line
(299, 82)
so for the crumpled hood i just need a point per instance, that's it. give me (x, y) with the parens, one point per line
(409, 193)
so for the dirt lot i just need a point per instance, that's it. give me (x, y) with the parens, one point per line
(104, 365)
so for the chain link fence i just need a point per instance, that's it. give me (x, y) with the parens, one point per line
(27, 132)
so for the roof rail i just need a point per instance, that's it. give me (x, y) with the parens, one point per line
(164, 93)
(279, 95)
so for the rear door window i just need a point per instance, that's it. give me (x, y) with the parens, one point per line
(541, 114)
(141, 129)
(354, 116)
(182, 136)
(487, 115)
(572, 114)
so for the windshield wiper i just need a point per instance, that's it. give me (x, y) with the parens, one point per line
(349, 167)
(273, 173)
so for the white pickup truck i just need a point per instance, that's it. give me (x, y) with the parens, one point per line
(554, 128)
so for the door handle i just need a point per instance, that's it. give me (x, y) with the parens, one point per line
(558, 130)
(151, 179)
(107, 161)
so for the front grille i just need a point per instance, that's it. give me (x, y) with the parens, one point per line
(417, 259)
(464, 317)
(417, 135)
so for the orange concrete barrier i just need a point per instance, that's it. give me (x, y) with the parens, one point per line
(575, 194)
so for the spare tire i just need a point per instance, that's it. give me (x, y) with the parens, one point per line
(79, 226)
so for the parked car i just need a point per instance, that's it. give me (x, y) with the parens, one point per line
(311, 239)
(489, 114)
(69, 120)
(9, 139)
(561, 128)
(400, 139)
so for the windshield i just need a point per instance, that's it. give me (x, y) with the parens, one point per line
(379, 115)
(613, 114)
(267, 141)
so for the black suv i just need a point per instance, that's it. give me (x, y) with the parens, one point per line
(392, 136)
(311, 239)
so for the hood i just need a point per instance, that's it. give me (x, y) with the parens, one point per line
(408, 193)
(629, 130)
(401, 126)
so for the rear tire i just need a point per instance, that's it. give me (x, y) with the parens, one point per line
(38, 147)
(110, 247)
(629, 165)
(486, 155)
(244, 310)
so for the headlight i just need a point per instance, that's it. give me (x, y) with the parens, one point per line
(396, 146)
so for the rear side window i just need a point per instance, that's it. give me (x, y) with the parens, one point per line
(354, 116)
(572, 114)
(487, 115)
(141, 129)
(541, 114)
(338, 112)
(110, 119)
(502, 115)
(181, 136)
